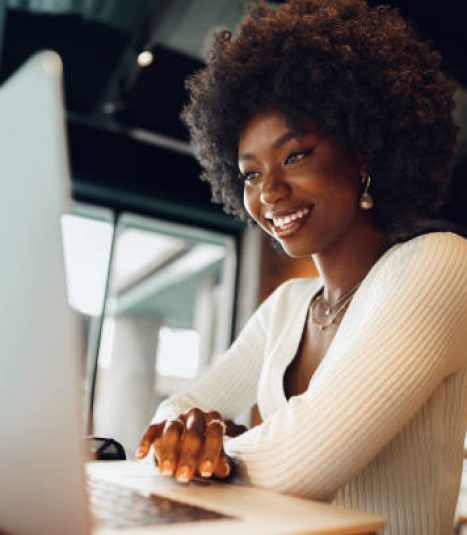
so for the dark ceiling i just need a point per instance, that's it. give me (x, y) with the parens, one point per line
(128, 147)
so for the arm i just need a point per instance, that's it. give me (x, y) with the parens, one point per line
(402, 336)
(186, 434)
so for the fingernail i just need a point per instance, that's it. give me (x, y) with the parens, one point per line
(226, 470)
(206, 468)
(183, 474)
(167, 468)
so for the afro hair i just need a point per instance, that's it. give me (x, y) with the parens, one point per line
(361, 73)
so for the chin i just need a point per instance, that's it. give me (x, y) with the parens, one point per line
(301, 250)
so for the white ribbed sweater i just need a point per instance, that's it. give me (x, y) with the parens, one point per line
(381, 426)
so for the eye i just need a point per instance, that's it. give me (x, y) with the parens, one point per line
(295, 157)
(248, 176)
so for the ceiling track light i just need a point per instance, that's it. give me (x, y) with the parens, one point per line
(145, 58)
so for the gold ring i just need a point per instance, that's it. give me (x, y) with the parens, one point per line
(221, 423)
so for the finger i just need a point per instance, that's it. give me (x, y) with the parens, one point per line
(224, 467)
(156, 447)
(213, 443)
(169, 446)
(182, 417)
(152, 433)
(191, 447)
(212, 415)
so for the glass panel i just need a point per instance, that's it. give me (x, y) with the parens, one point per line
(86, 243)
(169, 310)
(87, 237)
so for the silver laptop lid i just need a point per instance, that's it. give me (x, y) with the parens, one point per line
(41, 468)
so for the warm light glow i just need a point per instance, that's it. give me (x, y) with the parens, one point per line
(145, 58)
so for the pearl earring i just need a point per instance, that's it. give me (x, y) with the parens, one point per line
(366, 200)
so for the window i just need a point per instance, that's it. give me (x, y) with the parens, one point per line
(168, 311)
(87, 238)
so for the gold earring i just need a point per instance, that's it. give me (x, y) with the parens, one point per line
(366, 200)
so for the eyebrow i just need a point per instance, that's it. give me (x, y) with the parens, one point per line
(275, 145)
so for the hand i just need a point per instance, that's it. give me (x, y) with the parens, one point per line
(189, 445)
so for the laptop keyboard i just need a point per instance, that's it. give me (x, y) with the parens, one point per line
(117, 506)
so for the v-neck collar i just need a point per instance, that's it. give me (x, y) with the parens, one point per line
(289, 351)
(284, 353)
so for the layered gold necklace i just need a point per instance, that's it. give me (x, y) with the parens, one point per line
(321, 308)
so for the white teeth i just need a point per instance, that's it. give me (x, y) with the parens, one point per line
(282, 221)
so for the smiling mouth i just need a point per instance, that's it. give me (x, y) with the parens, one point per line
(290, 223)
(282, 222)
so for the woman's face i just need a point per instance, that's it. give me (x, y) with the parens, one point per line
(302, 190)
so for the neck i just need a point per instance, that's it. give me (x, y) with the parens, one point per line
(348, 259)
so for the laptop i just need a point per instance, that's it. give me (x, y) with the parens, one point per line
(45, 485)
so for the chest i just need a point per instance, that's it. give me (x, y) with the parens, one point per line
(311, 351)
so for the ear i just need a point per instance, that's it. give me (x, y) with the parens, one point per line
(362, 159)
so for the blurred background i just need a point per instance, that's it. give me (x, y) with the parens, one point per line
(162, 279)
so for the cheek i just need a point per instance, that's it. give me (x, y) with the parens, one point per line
(341, 203)
(342, 187)
(250, 202)
(337, 202)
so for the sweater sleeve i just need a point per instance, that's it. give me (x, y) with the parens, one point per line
(403, 334)
(230, 386)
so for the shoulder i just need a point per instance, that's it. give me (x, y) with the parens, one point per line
(417, 293)
(436, 253)
(430, 270)
(437, 242)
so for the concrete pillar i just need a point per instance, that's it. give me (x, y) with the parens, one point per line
(125, 392)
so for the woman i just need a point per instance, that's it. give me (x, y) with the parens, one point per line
(329, 124)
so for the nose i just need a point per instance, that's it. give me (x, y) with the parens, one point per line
(273, 188)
